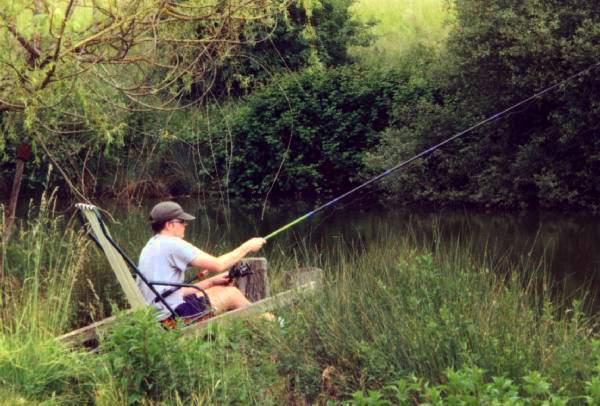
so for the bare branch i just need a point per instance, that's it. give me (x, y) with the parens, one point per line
(58, 43)
(64, 174)
(34, 53)
(7, 106)
(98, 36)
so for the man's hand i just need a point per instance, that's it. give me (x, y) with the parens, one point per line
(201, 274)
(255, 244)
(220, 280)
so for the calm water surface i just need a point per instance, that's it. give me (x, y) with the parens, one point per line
(567, 246)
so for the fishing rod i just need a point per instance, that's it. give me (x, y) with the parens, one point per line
(428, 151)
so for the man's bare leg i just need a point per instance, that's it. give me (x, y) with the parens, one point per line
(224, 298)
(217, 276)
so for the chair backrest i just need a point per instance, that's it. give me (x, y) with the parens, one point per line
(99, 232)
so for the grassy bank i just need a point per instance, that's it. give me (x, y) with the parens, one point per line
(395, 322)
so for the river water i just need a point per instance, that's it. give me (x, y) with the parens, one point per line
(566, 245)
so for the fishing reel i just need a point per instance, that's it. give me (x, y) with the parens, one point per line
(239, 270)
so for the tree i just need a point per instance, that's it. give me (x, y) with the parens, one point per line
(73, 70)
(498, 53)
(305, 135)
(306, 34)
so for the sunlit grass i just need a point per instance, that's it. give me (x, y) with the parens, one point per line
(400, 26)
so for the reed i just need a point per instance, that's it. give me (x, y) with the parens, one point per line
(40, 266)
(391, 309)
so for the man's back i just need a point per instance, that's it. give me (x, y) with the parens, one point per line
(165, 259)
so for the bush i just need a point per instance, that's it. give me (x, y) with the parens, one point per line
(148, 362)
(317, 123)
(542, 154)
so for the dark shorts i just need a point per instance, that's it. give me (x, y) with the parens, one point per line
(192, 306)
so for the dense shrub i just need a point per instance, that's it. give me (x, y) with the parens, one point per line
(148, 362)
(542, 154)
(316, 125)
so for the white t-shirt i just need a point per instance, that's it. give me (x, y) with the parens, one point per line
(165, 259)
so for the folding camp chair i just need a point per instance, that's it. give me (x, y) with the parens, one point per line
(96, 229)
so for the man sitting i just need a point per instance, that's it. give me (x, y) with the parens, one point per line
(167, 255)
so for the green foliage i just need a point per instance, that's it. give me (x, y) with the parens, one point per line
(316, 124)
(100, 111)
(306, 34)
(372, 398)
(149, 362)
(399, 27)
(547, 151)
(469, 386)
(144, 358)
(75, 72)
(540, 155)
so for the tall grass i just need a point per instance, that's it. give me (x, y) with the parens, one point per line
(39, 267)
(400, 26)
(392, 310)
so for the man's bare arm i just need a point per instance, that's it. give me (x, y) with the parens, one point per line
(220, 264)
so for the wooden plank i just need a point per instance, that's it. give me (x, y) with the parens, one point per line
(88, 335)
(301, 276)
(256, 308)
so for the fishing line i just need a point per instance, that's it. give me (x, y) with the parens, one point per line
(430, 150)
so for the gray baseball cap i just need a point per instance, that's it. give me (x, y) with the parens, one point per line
(166, 211)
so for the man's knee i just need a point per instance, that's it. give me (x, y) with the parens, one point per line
(235, 293)
(227, 297)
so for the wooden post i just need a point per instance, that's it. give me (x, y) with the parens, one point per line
(256, 286)
(23, 154)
